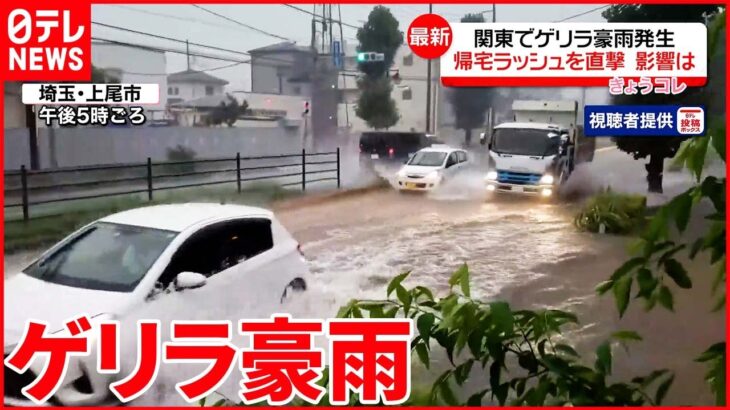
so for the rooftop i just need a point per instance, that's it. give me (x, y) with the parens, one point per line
(178, 217)
(193, 76)
(284, 46)
(529, 125)
(209, 101)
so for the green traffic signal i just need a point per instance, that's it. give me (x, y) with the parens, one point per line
(361, 57)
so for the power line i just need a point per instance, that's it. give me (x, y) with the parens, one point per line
(258, 30)
(161, 37)
(170, 16)
(170, 50)
(581, 14)
(315, 15)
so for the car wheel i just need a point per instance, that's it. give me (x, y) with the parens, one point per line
(297, 285)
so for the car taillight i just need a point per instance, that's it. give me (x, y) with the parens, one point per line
(391, 152)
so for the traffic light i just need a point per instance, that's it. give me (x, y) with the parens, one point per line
(368, 57)
(306, 108)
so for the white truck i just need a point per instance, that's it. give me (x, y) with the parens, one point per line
(536, 153)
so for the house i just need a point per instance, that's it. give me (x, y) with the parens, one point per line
(264, 110)
(192, 85)
(283, 68)
(135, 65)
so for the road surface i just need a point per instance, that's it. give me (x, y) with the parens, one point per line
(522, 251)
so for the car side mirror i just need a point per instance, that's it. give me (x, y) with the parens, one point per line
(189, 280)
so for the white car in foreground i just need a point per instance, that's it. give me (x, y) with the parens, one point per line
(120, 262)
(429, 167)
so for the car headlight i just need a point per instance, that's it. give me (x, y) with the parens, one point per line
(547, 179)
(491, 176)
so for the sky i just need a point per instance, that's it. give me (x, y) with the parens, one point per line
(272, 23)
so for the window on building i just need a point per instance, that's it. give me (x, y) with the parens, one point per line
(297, 90)
(208, 90)
(169, 90)
(407, 94)
(408, 60)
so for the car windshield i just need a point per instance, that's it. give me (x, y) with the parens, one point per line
(517, 141)
(104, 256)
(428, 158)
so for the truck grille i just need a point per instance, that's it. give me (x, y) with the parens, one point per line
(519, 178)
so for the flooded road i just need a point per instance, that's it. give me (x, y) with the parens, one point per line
(523, 251)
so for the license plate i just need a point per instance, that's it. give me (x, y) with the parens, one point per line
(410, 185)
(374, 156)
(518, 189)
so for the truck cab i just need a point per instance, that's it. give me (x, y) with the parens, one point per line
(536, 153)
(527, 158)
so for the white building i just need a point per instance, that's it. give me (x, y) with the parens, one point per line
(191, 85)
(134, 64)
(409, 93)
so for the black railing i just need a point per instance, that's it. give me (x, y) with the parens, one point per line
(25, 188)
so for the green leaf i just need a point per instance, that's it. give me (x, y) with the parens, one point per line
(662, 390)
(563, 348)
(646, 282)
(665, 298)
(424, 324)
(603, 358)
(422, 352)
(713, 352)
(604, 287)
(392, 312)
(396, 282)
(475, 400)
(645, 382)
(676, 271)
(421, 290)
(444, 389)
(404, 297)
(627, 267)
(219, 403)
(626, 335)
(682, 207)
(501, 316)
(622, 292)
(465, 289)
(457, 276)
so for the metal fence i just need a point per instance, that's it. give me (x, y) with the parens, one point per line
(26, 188)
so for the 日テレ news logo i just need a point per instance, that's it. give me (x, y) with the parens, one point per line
(46, 41)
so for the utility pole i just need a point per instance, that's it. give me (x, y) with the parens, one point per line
(494, 13)
(187, 52)
(428, 86)
(30, 122)
(344, 77)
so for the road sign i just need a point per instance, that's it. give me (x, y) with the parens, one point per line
(337, 54)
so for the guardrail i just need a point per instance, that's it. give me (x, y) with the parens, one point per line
(32, 187)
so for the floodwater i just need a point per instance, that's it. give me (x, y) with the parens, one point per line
(524, 251)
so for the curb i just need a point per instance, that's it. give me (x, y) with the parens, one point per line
(317, 199)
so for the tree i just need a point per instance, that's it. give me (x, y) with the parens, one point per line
(379, 34)
(227, 113)
(375, 104)
(657, 149)
(470, 104)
